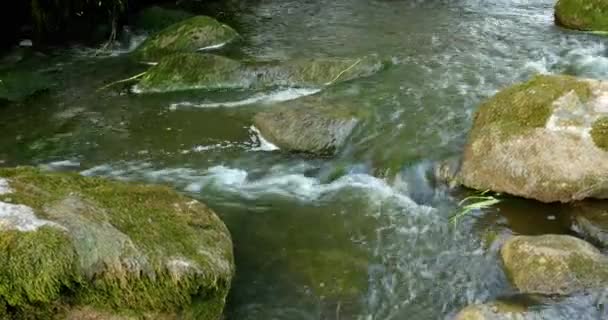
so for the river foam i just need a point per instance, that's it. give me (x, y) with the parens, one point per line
(264, 98)
(235, 181)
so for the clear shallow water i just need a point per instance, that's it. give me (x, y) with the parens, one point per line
(376, 201)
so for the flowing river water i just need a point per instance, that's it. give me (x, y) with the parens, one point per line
(296, 219)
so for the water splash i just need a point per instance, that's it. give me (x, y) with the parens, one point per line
(264, 98)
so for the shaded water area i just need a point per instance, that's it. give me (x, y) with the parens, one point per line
(364, 234)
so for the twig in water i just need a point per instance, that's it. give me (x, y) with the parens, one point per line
(135, 77)
(343, 72)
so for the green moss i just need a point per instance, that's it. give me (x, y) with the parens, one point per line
(186, 36)
(156, 18)
(585, 15)
(525, 106)
(35, 267)
(151, 293)
(160, 223)
(599, 133)
(186, 71)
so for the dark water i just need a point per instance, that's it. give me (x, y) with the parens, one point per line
(364, 235)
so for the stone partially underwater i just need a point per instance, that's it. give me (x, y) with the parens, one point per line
(546, 139)
(308, 124)
(188, 71)
(74, 247)
(554, 264)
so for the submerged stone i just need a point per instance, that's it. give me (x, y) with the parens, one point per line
(112, 248)
(17, 85)
(196, 33)
(316, 72)
(584, 15)
(553, 264)
(205, 71)
(542, 139)
(307, 125)
(155, 18)
(331, 273)
(590, 219)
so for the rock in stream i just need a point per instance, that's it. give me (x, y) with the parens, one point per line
(196, 33)
(308, 124)
(86, 248)
(554, 264)
(584, 15)
(546, 139)
(188, 71)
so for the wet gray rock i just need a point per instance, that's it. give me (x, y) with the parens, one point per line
(308, 124)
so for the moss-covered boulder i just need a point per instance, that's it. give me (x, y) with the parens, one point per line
(79, 247)
(585, 15)
(496, 310)
(553, 264)
(543, 139)
(189, 71)
(309, 124)
(590, 220)
(196, 33)
(155, 18)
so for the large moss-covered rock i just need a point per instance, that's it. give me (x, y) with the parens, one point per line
(196, 33)
(206, 71)
(585, 15)
(308, 124)
(69, 244)
(553, 264)
(542, 139)
(155, 18)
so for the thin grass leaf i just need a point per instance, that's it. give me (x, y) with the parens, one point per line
(472, 203)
